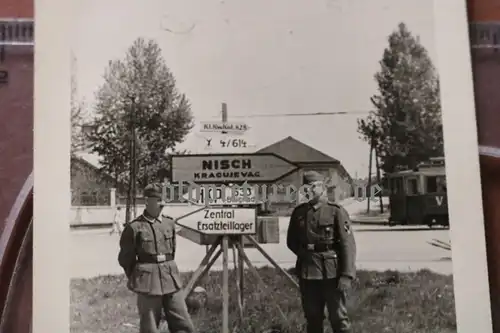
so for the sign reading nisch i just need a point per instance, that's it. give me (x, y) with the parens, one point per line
(230, 168)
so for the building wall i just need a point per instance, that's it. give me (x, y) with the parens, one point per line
(342, 191)
(16, 127)
(335, 172)
(98, 215)
(88, 186)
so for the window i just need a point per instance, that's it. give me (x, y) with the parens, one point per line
(436, 184)
(17, 31)
(431, 184)
(396, 186)
(484, 35)
(441, 180)
(412, 186)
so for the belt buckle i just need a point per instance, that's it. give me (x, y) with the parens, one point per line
(310, 247)
(161, 257)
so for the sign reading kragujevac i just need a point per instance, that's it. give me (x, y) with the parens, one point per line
(230, 168)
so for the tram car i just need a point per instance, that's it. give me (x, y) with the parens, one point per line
(418, 196)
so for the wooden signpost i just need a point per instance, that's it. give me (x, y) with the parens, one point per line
(224, 136)
(231, 225)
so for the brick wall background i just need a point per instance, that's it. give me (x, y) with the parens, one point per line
(486, 66)
(16, 125)
(16, 8)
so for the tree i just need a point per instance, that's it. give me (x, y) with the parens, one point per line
(405, 127)
(77, 116)
(139, 116)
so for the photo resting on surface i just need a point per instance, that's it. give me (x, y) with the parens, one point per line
(258, 167)
(16, 166)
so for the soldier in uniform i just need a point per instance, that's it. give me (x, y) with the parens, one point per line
(147, 251)
(321, 237)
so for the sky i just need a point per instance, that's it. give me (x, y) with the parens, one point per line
(260, 57)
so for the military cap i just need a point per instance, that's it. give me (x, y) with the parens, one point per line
(153, 191)
(313, 176)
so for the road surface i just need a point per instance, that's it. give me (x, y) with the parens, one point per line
(94, 252)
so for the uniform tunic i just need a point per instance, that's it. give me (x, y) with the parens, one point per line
(146, 238)
(321, 237)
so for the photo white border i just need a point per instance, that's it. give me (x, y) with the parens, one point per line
(51, 167)
(467, 231)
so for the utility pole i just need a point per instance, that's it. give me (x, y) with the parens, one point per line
(369, 187)
(240, 274)
(224, 115)
(377, 166)
(130, 211)
(134, 162)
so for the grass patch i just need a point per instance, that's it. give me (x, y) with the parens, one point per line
(390, 301)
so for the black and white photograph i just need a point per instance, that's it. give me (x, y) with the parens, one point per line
(258, 166)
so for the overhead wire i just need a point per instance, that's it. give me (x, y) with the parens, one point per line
(274, 115)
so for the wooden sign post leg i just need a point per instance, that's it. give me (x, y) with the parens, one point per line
(241, 268)
(274, 263)
(225, 285)
(255, 273)
(238, 271)
(202, 268)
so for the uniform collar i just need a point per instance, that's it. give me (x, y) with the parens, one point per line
(149, 218)
(317, 203)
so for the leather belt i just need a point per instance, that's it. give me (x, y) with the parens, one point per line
(320, 247)
(154, 258)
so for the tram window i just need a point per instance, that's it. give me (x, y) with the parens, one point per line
(396, 186)
(442, 183)
(431, 184)
(412, 186)
(436, 184)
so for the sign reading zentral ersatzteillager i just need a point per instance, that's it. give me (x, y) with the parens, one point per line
(230, 168)
(226, 221)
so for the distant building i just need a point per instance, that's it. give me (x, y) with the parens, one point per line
(308, 158)
(89, 185)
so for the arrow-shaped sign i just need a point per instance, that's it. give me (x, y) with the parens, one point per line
(230, 168)
(221, 221)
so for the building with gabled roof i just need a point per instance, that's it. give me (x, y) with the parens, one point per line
(90, 186)
(308, 158)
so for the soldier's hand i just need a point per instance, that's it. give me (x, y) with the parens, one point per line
(344, 283)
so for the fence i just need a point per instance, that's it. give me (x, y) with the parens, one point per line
(115, 211)
(104, 215)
